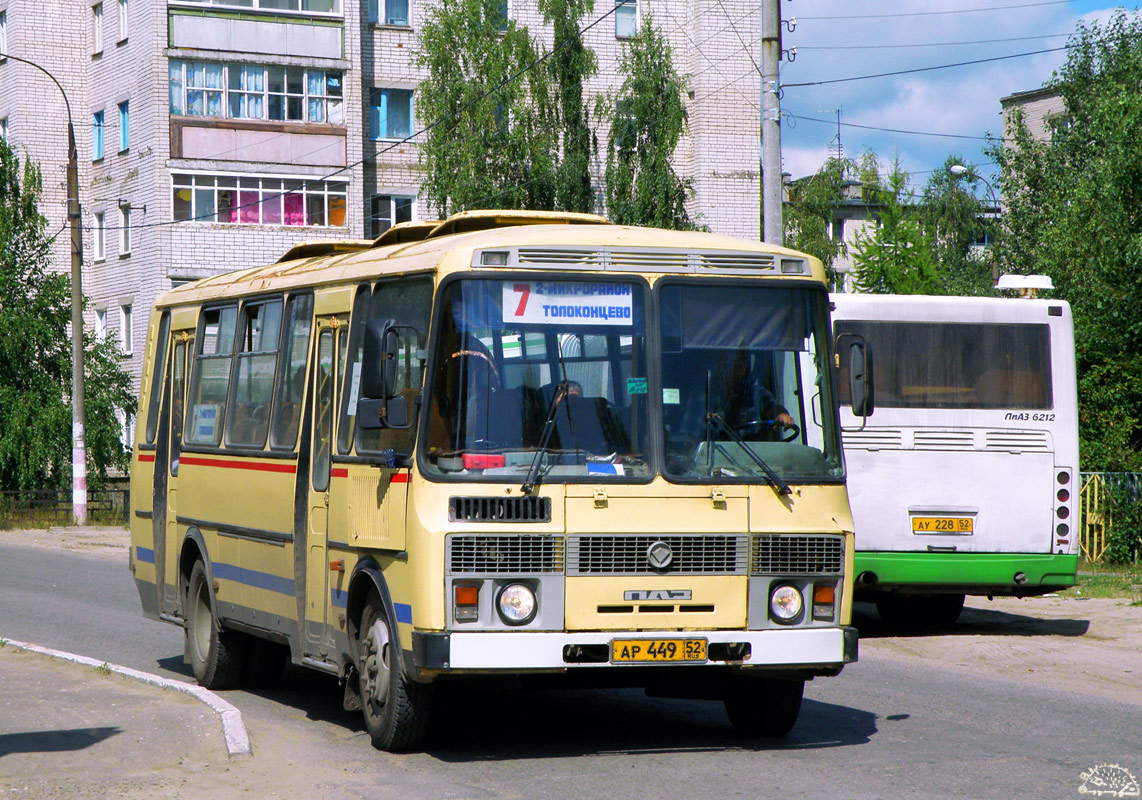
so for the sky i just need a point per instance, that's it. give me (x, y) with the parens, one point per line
(845, 38)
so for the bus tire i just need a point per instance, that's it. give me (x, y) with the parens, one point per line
(763, 706)
(396, 709)
(265, 663)
(216, 655)
(944, 609)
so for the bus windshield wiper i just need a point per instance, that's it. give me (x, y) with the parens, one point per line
(532, 476)
(714, 419)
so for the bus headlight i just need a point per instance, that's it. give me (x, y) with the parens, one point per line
(517, 604)
(786, 603)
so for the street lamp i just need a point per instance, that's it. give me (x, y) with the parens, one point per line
(78, 408)
(959, 171)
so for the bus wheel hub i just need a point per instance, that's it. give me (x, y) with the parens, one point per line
(376, 663)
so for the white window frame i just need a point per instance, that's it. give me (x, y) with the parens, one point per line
(388, 216)
(97, 29)
(626, 19)
(122, 21)
(124, 125)
(313, 103)
(100, 236)
(124, 231)
(378, 108)
(126, 332)
(3, 125)
(98, 127)
(3, 33)
(376, 7)
(230, 194)
(101, 324)
(257, 5)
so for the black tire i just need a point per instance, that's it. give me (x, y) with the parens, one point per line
(216, 655)
(897, 609)
(397, 710)
(763, 706)
(265, 663)
(934, 610)
(944, 609)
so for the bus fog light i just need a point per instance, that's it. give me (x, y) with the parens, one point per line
(467, 605)
(824, 598)
(517, 604)
(786, 603)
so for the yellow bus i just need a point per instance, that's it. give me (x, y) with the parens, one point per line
(508, 443)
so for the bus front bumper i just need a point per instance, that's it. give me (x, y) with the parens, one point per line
(823, 649)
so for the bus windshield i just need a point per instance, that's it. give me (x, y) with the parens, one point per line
(745, 386)
(513, 357)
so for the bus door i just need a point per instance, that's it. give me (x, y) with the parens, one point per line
(166, 474)
(321, 441)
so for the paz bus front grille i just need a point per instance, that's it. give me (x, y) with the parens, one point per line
(691, 554)
(504, 554)
(789, 554)
(499, 509)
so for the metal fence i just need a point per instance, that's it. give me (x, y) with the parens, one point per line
(53, 507)
(1098, 503)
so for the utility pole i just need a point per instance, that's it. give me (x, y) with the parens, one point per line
(771, 188)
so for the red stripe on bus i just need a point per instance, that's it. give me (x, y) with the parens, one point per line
(228, 464)
(146, 457)
(342, 472)
(400, 477)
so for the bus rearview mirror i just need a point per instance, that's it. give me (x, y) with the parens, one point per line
(379, 359)
(860, 378)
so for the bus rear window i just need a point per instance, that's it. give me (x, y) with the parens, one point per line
(955, 365)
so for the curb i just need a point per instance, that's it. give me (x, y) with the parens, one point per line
(233, 728)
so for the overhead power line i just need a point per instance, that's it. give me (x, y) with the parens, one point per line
(892, 130)
(920, 69)
(937, 13)
(931, 44)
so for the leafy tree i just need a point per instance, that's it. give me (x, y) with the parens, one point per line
(808, 213)
(571, 63)
(1073, 210)
(954, 219)
(647, 120)
(35, 353)
(496, 143)
(897, 257)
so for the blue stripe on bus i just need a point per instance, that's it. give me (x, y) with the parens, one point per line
(250, 577)
(404, 613)
(145, 555)
(338, 597)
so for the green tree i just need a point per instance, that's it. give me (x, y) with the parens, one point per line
(809, 211)
(647, 120)
(1073, 210)
(35, 353)
(496, 142)
(571, 63)
(897, 257)
(954, 219)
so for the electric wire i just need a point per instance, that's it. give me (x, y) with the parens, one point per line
(920, 69)
(830, 18)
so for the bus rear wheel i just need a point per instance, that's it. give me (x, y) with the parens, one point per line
(396, 709)
(763, 706)
(216, 656)
(932, 609)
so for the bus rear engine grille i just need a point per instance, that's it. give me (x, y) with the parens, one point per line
(691, 554)
(797, 555)
(499, 509)
(504, 554)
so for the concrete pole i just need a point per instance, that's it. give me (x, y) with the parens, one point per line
(78, 406)
(772, 228)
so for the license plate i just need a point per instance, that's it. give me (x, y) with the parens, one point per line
(942, 524)
(657, 651)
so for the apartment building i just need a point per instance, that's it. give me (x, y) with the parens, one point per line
(215, 134)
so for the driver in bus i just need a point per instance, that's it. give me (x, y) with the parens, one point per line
(746, 403)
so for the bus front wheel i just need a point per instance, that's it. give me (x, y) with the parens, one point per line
(216, 656)
(396, 709)
(763, 706)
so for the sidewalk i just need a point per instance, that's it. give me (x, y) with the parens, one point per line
(72, 731)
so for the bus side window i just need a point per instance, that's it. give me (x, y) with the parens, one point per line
(351, 356)
(323, 429)
(210, 377)
(178, 386)
(290, 388)
(162, 344)
(257, 358)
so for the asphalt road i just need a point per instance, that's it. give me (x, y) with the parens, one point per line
(885, 728)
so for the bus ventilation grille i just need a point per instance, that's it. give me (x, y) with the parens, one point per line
(499, 509)
(797, 555)
(507, 553)
(691, 554)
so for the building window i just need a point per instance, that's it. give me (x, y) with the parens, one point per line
(389, 12)
(3, 34)
(500, 14)
(249, 91)
(386, 210)
(97, 29)
(838, 230)
(390, 114)
(125, 331)
(259, 201)
(296, 6)
(124, 128)
(97, 136)
(4, 128)
(100, 324)
(100, 236)
(124, 230)
(122, 20)
(626, 18)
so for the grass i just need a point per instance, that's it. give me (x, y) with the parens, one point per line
(103, 669)
(1118, 581)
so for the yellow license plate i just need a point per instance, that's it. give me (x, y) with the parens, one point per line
(657, 651)
(942, 525)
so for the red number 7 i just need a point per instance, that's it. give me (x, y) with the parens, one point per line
(525, 292)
